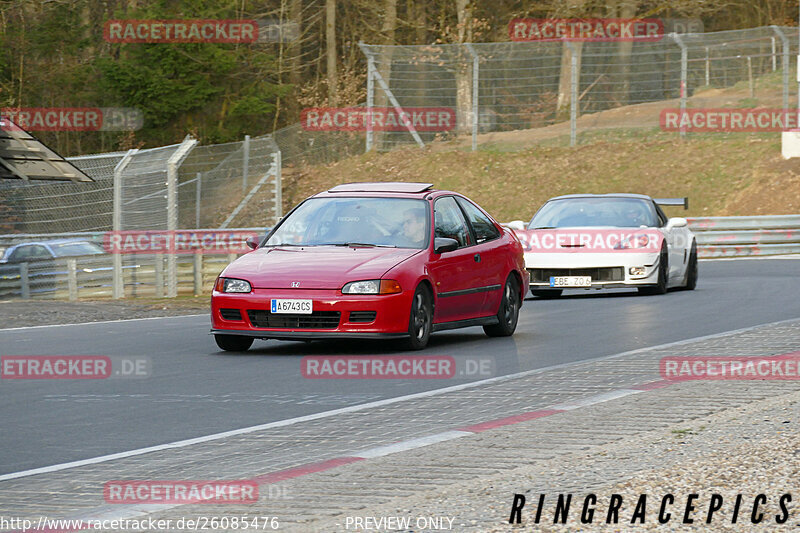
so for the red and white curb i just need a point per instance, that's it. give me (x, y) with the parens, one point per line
(134, 511)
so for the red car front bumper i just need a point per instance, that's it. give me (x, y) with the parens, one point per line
(333, 315)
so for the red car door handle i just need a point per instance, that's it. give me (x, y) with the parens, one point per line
(477, 258)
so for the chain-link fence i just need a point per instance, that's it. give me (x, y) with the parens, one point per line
(215, 179)
(559, 89)
(210, 183)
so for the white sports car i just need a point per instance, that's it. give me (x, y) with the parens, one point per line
(608, 241)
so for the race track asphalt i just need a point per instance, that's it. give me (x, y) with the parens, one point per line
(194, 389)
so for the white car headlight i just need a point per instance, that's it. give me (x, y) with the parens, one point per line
(369, 286)
(233, 285)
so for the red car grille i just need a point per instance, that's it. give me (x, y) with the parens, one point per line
(316, 320)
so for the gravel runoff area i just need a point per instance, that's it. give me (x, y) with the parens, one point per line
(748, 450)
(24, 313)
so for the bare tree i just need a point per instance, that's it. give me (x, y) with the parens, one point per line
(464, 69)
(330, 49)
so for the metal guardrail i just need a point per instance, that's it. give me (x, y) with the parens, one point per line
(753, 236)
(93, 276)
(143, 275)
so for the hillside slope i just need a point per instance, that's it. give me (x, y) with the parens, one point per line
(742, 175)
(514, 172)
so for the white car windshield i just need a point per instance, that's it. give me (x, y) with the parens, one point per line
(596, 212)
(350, 221)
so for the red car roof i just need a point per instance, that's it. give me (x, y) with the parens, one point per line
(383, 186)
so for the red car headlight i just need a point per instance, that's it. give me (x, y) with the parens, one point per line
(372, 286)
(232, 285)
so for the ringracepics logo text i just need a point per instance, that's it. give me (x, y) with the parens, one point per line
(650, 509)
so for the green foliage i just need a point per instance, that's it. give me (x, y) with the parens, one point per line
(53, 54)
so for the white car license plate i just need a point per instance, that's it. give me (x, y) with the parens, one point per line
(570, 281)
(301, 307)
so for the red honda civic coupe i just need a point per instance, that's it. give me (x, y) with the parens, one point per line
(373, 260)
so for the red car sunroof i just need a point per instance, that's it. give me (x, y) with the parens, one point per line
(385, 186)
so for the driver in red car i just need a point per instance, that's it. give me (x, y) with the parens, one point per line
(413, 228)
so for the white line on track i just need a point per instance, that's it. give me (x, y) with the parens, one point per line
(103, 322)
(592, 400)
(380, 451)
(361, 407)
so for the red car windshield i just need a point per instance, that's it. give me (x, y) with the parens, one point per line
(346, 221)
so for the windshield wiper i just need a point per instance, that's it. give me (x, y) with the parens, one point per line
(286, 244)
(365, 244)
(545, 227)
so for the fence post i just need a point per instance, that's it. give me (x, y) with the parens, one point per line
(784, 63)
(774, 58)
(708, 69)
(370, 93)
(198, 188)
(172, 209)
(684, 60)
(573, 93)
(24, 281)
(118, 285)
(750, 76)
(72, 279)
(246, 162)
(159, 275)
(198, 273)
(276, 160)
(475, 87)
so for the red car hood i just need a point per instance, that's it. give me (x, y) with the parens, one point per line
(314, 267)
(589, 239)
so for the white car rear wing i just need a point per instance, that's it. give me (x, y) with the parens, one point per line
(673, 201)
